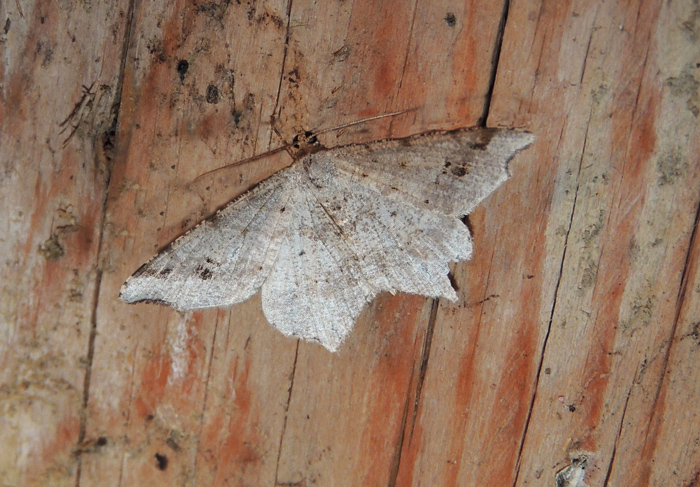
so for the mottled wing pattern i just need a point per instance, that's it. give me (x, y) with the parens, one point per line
(224, 260)
(318, 286)
(326, 235)
(445, 172)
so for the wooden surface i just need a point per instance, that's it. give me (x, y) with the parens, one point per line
(577, 332)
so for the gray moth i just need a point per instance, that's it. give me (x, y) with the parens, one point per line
(325, 235)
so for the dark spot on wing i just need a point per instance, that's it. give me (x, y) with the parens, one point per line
(282, 210)
(405, 142)
(151, 301)
(144, 270)
(459, 171)
(301, 253)
(165, 272)
(203, 272)
(208, 260)
(484, 139)
(447, 164)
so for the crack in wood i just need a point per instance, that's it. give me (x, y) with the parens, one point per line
(286, 414)
(481, 122)
(98, 279)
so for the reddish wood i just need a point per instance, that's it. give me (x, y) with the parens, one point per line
(576, 329)
(58, 81)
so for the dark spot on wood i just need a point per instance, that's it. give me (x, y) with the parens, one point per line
(7, 27)
(165, 271)
(282, 210)
(182, 67)
(236, 115)
(447, 164)
(212, 94)
(571, 408)
(52, 249)
(293, 76)
(406, 142)
(101, 441)
(427, 202)
(213, 10)
(42, 19)
(172, 167)
(450, 19)
(208, 260)
(547, 370)
(695, 334)
(459, 171)
(149, 417)
(364, 175)
(172, 444)
(402, 164)
(468, 223)
(393, 213)
(453, 283)
(161, 461)
(301, 253)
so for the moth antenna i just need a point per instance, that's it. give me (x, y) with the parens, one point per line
(368, 119)
(286, 146)
(242, 161)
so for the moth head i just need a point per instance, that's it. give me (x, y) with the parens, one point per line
(304, 143)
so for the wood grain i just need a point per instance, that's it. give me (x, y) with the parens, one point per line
(576, 332)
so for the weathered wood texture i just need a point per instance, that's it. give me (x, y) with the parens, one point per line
(578, 326)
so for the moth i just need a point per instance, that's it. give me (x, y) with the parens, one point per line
(325, 235)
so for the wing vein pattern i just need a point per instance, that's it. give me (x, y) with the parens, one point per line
(323, 237)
